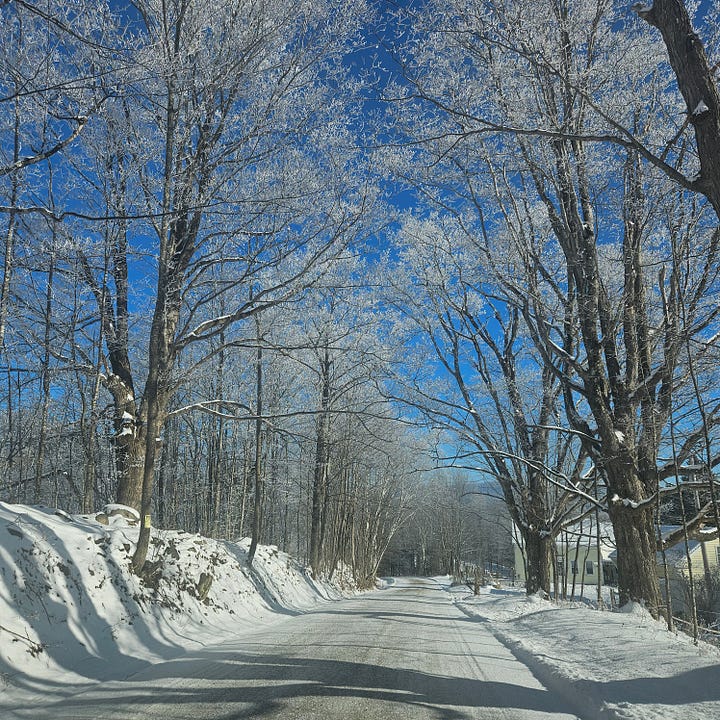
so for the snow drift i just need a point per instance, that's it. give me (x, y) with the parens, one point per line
(615, 665)
(72, 612)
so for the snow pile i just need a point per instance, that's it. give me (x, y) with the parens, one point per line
(619, 665)
(72, 612)
(284, 582)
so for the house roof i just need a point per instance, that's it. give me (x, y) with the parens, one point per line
(585, 531)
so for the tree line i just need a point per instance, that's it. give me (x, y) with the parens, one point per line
(565, 282)
(253, 255)
(183, 222)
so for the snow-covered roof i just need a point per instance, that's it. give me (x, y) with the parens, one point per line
(586, 532)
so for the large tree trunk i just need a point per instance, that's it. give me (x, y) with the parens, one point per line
(632, 512)
(539, 559)
(155, 401)
(636, 548)
(129, 464)
(175, 253)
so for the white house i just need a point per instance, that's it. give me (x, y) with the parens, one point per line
(704, 558)
(581, 559)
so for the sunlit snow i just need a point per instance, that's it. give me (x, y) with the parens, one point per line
(73, 615)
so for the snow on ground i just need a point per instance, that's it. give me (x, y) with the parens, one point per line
(72, 613)
(621, 665)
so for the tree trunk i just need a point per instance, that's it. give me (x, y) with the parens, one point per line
(243, 497)
(160, 362)
(321, 469)
(129, 445)
(45, 376)
(9, 257)
(636, 548)
(258, 500)
(539, 554)
(155, 400)
(697, 85)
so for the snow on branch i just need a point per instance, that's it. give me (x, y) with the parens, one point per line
(693, 529)
(633, 504)
(81, 121)
(556, 478)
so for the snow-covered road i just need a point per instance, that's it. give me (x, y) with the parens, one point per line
(405, 652)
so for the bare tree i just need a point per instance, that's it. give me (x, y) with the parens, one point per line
(498, 398)
(218, 119)
(341, 350)
(517, 106)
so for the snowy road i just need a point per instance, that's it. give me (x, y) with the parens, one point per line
(405, 652)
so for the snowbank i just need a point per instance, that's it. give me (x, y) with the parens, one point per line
(72, 613)
(619, 665)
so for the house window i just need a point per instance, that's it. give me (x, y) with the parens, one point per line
(574, 567)
(589, 567)
(717, 554)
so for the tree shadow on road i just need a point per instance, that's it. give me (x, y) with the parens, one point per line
(245, 685)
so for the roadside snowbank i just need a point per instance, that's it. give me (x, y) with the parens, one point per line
(619, 665)
(72, 613)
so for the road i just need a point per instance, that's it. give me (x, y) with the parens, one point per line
(405, 652)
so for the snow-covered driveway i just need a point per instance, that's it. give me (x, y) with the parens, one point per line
(405, 652)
